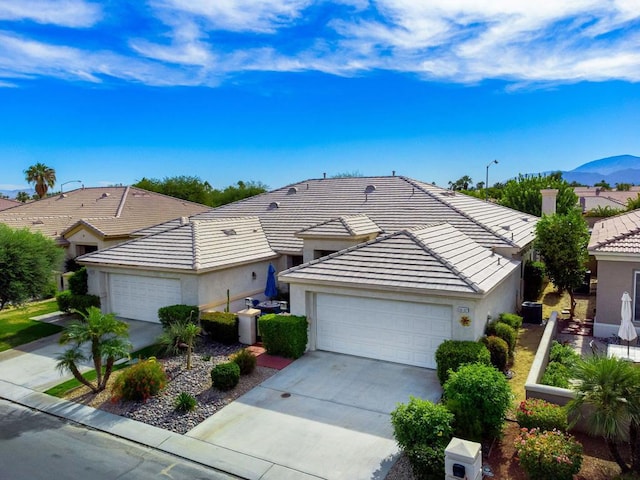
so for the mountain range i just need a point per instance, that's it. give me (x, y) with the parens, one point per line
(618, 169)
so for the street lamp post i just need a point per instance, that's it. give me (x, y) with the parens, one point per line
(70, 181)
(486, 183)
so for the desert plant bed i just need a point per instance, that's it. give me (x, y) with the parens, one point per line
(160, 411)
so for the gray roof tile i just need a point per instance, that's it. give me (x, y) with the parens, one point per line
(435, 257)
(619, 234)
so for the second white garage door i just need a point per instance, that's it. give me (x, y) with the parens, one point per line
(394, 331)
(139, 298)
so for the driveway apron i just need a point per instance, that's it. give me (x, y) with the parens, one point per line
(326, 415)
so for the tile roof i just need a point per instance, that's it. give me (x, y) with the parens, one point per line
(619, 234)
(392, 203)
(435, 257)
(8, 203)
(110, 211)
(345, 226)
(195, 246)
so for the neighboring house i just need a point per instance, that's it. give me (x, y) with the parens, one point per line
(615, 243)
(383, 267)
(89, 219)
(8, 203)
(590, 198)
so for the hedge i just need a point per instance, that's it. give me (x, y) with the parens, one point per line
(221, 326)
(284, 335)
(533, 280)
(178, 314)
(68, 302)
(452, 354)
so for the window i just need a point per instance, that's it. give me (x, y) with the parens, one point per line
(636, 296)
(83, 249)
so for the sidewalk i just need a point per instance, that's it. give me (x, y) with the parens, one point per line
(28, 370)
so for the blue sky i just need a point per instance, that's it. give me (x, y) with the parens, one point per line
(283, 90)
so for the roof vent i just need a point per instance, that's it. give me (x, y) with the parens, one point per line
(506, 227)
(273, 205)
(105, 195)
(525, 219)
(292, 191)
(37, 222)
(184, 220)
(229, 231)
(63, 195)
(370, 189)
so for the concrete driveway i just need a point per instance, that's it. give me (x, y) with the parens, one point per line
(324, 416)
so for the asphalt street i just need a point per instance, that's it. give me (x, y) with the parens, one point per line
(36, 445)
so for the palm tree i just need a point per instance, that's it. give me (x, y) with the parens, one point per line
(107, 338)
(43, 177)
(610, 390)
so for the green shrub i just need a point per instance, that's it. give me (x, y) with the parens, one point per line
(49, 291)
(178, 314)
(511, 319)
(533, 280)
(548, 454)
(81, 303)
(479, 397)
(427, 461)
(185, 402)
(452, 354)
(225, 376)
(562, 362)
(284, 335)
(245, 360)
(537, 413)
(221, 326)
(564, 354)
(505, 332)
(140, 381)
(423, 430)
(499, 351)
(78, 282)
(421, 422)
(63, 299)
(556, 375)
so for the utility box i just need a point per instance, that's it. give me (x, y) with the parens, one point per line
(463, 460)
(247, 330)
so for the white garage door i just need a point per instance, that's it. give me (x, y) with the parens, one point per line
(139, 298)
(388, 330)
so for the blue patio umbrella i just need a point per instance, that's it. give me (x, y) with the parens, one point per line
(271, 290)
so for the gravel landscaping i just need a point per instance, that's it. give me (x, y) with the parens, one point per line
(159, 411)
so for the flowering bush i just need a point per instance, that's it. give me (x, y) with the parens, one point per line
(548, 454)
(141, 381)
(537, 413)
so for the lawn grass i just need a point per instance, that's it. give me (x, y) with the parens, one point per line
(63, 388)
(16, 328)
(528, 341)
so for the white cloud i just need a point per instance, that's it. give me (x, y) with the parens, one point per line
(238, 15)
(68, 13)
(201, 42)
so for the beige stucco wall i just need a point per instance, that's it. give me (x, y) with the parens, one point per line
(207, 290)
(615, 276)
(85, 236)
(335, 245)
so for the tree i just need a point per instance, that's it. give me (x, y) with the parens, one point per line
(523, 193)
(623, 187)
(633, 203)
(610, 389)
(42, 176)
(186, 187)
(27, 261)
(354, 174)
(461, 184)
(107, 338)
(562, 243)
(603, 185)
(23, 197)
(233, 194)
